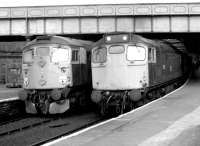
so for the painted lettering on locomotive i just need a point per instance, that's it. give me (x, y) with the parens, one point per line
(126, 67)
(56, 74)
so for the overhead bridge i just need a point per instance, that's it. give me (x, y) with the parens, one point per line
(94, 19)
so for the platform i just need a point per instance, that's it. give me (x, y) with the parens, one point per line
(7, 94)
(163, 122)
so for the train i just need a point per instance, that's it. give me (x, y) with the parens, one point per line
(56, 74)
(128, 69)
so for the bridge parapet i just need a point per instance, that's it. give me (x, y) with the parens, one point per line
(184, 17)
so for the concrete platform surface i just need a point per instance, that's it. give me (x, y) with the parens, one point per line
(159, 123)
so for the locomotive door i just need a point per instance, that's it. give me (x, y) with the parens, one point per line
(83, 65)
(76, 75)
(153, 69)
(79, 65)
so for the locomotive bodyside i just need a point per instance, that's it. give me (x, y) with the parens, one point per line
(55, 69)
(164, 64)
(126, 68)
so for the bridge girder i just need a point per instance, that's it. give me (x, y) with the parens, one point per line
(93, 19)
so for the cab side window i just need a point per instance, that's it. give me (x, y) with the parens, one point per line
(83, 55)
(28, 56)
(152, 55)
(99, 55)
(75, 55)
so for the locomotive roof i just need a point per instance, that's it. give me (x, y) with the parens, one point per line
(174, 43)
(133, 37)
(58, 40)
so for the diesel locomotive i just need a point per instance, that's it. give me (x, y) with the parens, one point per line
(56, 74)
(127, 69)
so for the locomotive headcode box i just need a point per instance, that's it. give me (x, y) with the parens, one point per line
(117, 38)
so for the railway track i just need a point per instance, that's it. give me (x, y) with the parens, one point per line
(11, 111)
(39, 130)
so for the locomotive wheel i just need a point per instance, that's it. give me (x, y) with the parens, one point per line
(118, 110)
(103, 108)
(140, 103)
(123, 107)
(150, 96)
(82, 99)
(131, 105)
(158, 94)
(146, 100)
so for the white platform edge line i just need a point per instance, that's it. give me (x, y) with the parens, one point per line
(9, 99)
(94, 126)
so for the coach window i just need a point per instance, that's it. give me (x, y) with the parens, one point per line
(152, 55)
(28, 56)
(136, 53)
(99, 55)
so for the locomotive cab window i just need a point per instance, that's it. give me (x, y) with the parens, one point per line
(152, 55)
(116, 49)
(99, 55)
(28, 56)
(42, 51)
(60, 55)
(75, 55)
(136, 53)
(83, 55)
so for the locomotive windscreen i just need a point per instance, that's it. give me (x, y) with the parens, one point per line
(117, 38)
(28, 56)
(42, 51)
(136, 53)
(99, 55)
(60, 55)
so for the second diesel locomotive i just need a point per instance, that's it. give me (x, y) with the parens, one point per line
(128, 68)
(56, 74)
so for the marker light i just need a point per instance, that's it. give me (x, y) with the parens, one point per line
(108, 38)
(125, 38)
